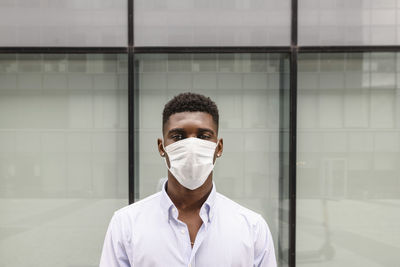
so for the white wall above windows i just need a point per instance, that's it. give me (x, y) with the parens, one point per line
(63, 23)
(212, 22)
(349, 22)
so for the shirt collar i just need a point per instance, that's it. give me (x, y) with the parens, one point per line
(167, 205)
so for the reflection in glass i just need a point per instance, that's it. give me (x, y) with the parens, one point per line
(248, 89)
(63, 156)
(348, 171)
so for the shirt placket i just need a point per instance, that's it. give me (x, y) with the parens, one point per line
(201, 234)
(182, 234)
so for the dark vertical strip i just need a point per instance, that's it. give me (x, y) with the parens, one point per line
(136, 124)
(131, 125)
(292, 134)
(292, 158)
(130, 23)
(283, 158)
(131, 101)
(294, 28)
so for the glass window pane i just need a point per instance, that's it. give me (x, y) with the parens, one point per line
(63, 23)
(63, 156)
(212, 22)
(348, 174)
(343, 22)
(250, 91)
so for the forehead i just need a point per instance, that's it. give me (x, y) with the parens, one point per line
(190, 119)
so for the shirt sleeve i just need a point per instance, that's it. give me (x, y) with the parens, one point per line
(264, 252)
(114, 252)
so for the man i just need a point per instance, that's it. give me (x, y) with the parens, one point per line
(188, 223)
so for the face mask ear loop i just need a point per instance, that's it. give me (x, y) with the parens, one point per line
(216, 156)
(164, 154)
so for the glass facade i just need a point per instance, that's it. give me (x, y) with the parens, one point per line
(309, 116)
(348, 159)
(248, 91)
(63, 156)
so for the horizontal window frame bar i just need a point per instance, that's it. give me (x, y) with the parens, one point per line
(64, 50)
(209, 49)
(343, 49)
(195, 49)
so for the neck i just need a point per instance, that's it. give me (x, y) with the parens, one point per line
(187, 200)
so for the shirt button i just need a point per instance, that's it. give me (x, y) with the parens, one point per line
(174, 209)
(182, 231)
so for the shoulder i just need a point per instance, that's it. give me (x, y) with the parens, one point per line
(140, 206)
(135, 217)
(229, 208)
(127, 215)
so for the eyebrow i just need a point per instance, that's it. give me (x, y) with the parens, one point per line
(176, 130)
(201, 130)
(181, 130)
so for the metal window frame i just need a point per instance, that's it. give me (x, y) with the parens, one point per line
(292, 50)
(131, 105)
(293, 133)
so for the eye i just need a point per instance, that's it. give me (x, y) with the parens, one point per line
(204, 136)
(177, 137)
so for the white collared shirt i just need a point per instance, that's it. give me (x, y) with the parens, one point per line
(149, 233)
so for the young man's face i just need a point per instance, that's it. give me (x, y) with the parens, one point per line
(190, 124)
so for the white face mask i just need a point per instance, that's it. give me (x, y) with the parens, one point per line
(191, 161)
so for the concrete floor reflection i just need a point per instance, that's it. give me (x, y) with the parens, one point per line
(54, 232)
(348, 233)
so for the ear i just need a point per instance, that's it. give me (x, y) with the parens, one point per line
(160, 147)
(220, 147)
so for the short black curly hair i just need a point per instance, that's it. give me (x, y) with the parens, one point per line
(191, 102)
